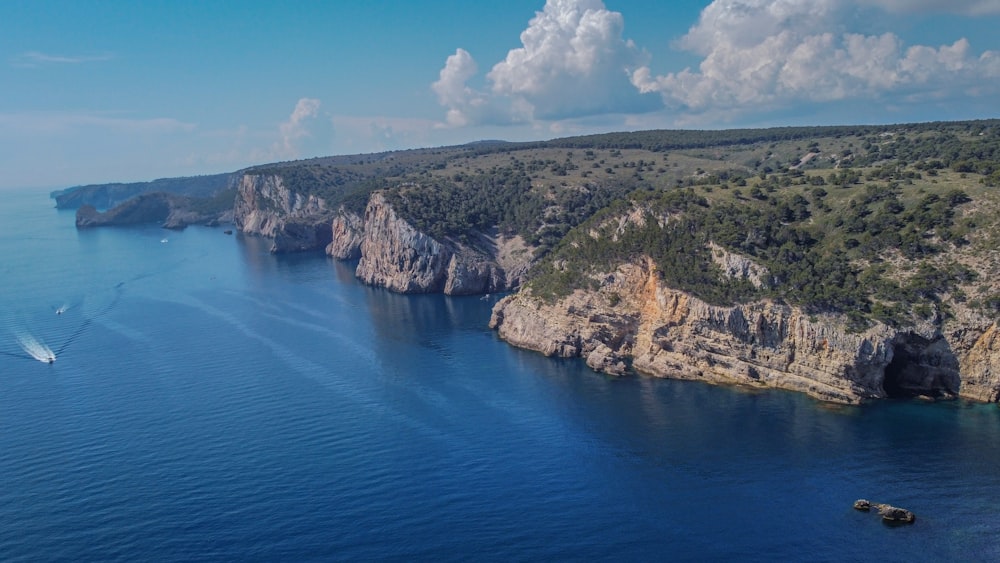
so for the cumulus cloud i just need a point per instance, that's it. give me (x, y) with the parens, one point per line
(294, 128)
(758, 54)
(573, 62)
(453, 93)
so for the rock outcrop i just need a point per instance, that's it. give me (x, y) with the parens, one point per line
(634, 321)
(398, 257)
(890, 514)
(347, 233)
(265, 207)
(171, 211)
(391, 252)
(107, 196)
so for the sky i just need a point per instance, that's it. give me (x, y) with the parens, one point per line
(107, 91)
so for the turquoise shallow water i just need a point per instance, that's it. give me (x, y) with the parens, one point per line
(210, 401)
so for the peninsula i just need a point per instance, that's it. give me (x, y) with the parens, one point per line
(850, 263)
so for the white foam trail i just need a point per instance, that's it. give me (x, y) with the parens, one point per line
(62, 308)
(36, 349)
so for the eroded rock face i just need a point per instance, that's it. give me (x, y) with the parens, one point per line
(170, 211)
(737, 267)
(347, 233)
(391, 253)
(979, 363)
(398, 257)
(301, 234)
(265, 207)
(633, 320)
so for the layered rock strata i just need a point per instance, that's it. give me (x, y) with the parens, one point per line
(266, 207)
(391, 253)
(635, 322)
(398, 257)
(347, 233)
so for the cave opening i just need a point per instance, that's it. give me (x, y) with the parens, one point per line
(920, 367)
(896, 373)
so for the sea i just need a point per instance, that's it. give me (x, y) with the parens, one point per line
(210, 401)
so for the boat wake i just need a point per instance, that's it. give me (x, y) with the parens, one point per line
(40, 335)
(74, 317)
(35, 348)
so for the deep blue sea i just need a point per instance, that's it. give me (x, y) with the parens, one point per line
(210, 401)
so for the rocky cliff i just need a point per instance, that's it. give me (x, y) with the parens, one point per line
(265, 207)
(171, 211)
(347, 233)
(391, 252)
(397, 256)
(635, 322)
(106, 196)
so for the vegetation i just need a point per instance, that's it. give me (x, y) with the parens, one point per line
(215, 204)
(885, 222)
(877, 243)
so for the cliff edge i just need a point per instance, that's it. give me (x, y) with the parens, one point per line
(266, 207)
(634, 322)
(171, 211)
(395, 255)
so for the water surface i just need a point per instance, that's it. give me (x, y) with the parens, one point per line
(210, 401)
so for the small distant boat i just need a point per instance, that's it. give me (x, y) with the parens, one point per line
(163, 240)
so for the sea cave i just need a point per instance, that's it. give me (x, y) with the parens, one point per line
(921, 367)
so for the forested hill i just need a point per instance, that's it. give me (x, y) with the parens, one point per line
(736, 152)
(105, 196)
(878, 222)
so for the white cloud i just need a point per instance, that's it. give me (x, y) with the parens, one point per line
(31, 59)
(761, 54)
(453, 93)
(573, 62)
(294, 128)
(49, 123)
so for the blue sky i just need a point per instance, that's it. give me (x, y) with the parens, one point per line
(127, 91)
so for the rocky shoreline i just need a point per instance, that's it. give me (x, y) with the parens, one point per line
(391, 252)
(634, 323)
(169, 210)
(631, 322)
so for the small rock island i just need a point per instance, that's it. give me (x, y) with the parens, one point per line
(890, 514)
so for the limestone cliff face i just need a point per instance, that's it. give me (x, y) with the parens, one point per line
(265, 207)
(979, 362)
(171, 211)
(396, 256)
(346, 235)
(633, 321)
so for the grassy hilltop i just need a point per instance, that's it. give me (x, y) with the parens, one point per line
(879, 222)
